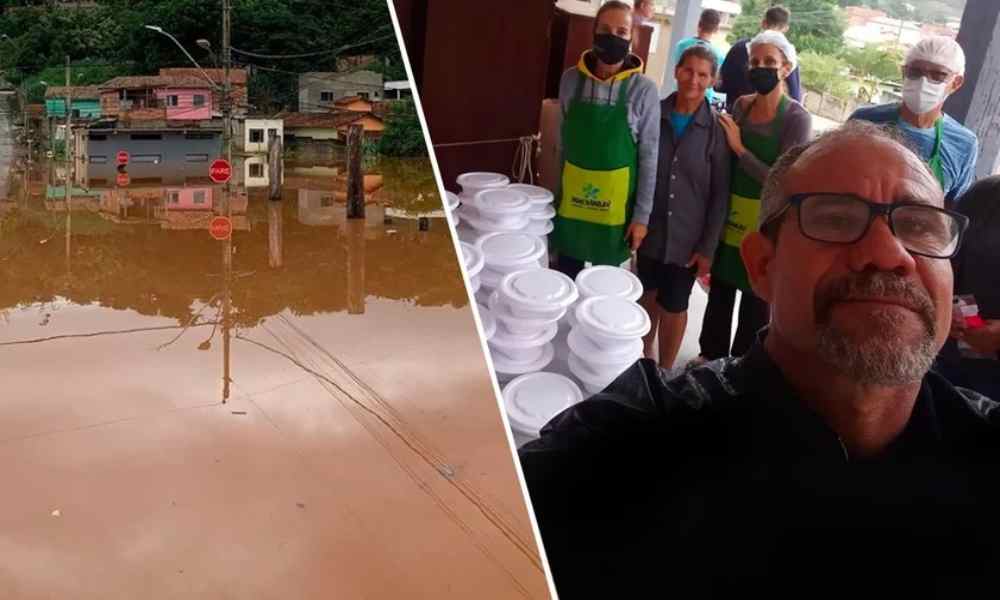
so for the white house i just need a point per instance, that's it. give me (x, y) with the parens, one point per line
(394, 90)
(256, 132)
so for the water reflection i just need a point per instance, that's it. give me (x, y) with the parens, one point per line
(145, 246)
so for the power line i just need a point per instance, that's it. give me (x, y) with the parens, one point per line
(309, 54)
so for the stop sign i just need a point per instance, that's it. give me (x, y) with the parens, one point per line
(220, 228)
(122, 157)
(220, 171)
(122, 179)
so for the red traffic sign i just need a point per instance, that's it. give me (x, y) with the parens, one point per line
(221, 228)
(220, 171)
(122, 179)
(122, 157)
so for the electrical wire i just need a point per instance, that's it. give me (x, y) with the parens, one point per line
(310, 54)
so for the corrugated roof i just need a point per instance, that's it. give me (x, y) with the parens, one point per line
(86, 92)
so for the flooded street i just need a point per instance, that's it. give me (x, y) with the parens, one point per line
(315, 421)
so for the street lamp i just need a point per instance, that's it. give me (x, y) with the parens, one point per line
(191, 58)
(207, 47)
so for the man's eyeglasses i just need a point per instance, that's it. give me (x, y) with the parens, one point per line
(844, 219)
(935, 75)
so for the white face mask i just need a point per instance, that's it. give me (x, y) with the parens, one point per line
(922, 95)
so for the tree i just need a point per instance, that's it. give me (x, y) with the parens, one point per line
(819, 26)
(873, 62)
(403, 135)
(825, 73)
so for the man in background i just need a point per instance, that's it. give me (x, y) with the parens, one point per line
(934, 69)
(734, 74)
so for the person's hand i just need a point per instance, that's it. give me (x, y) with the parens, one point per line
(732, 131)
(635, 233)
(703, 263)
(985, 339)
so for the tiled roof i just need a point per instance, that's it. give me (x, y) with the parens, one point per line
(154, 81)
(236, 76)
(86, 92)
(331, 120)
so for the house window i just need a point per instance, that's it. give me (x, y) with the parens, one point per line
(199, 100)
(256, 136)
(174, 197)
(256, 170)
(326, 96)
(97, 137)
(199, 136)
(146, 136)
(363, 95)
(98, 159)
(172, 101)
(325, 201)
(199, 197)
(147, 158)
(196, 158)
(272, 132)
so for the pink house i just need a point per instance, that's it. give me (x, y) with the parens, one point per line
(157, 97)
(188, 198)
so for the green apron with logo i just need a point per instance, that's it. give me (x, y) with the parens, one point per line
(598, 180)
(744, 202)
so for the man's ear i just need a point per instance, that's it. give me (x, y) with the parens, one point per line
(758, 254)
(957, 83)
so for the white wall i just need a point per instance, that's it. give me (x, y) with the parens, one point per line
(263, 125)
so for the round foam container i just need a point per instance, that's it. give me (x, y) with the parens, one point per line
(532, 400)
(538, 293)
(604, 280)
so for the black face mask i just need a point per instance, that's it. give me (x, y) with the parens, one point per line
(763, 79)
(610, 49)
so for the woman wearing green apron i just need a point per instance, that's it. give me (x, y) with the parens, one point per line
(610, 140)
(763, 126)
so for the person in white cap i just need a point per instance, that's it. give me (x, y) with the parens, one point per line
(934, 69)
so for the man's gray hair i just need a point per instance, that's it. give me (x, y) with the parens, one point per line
(773, 198)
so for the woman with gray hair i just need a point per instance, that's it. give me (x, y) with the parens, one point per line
(763, 126)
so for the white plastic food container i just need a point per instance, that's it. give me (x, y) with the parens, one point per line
(507, 369)
(514, 323)
(516, 356)
(612, 323)
(471, 217)
(489, 323)
(477, 180)
(508, 340)
(500, 204)
(532, 400)
(474, 262)
(542, 212)
(510, 252)
(596, 357)
(538, 196)
(604, 280)
(539, 228)
(538, 293)
(592, 382)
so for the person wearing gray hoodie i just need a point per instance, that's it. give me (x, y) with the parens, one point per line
(610, 134)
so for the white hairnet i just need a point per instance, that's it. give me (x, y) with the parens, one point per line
(779, 41)
(939, 50)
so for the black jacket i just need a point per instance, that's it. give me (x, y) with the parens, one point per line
(722, 481)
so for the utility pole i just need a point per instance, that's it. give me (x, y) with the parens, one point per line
(66, 150)
(227, 205)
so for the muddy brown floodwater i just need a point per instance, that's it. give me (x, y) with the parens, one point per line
(360, 452)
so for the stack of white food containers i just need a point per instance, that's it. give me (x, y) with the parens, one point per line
(471, 184)
(489, 323)
(531, 400)
(497, 210)
(542, 210)
(474, 263)
(606, 339)
(451, 202)
(605, 280)
(506, 252)
(527, 306)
